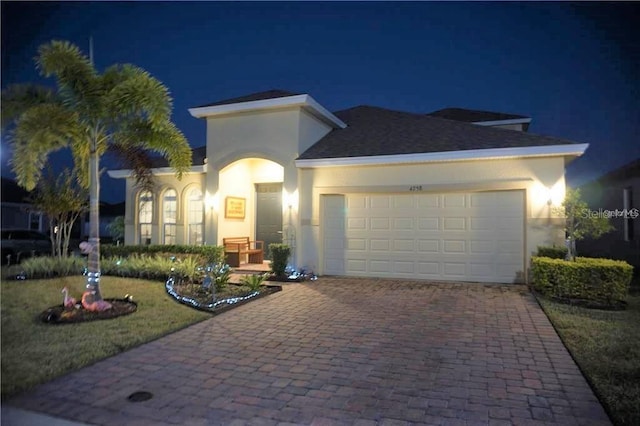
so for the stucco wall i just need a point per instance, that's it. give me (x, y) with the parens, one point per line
(162, 183)
(536, 176)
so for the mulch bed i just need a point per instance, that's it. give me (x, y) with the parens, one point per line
(59, 315)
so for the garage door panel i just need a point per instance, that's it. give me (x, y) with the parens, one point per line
(454, 224)
(428, 246)
(377, 244)
(428, 224)
(452, 236)
(403, 224)
(454, 200)
(453, 246)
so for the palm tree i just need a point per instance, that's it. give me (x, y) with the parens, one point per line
(124, 109)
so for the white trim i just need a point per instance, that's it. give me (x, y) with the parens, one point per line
(503, 122)
(472, 154)
(160, 171)
(303, 101)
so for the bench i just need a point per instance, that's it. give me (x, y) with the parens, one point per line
(235, 248)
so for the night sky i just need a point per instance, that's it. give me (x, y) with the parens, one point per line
(573, 68)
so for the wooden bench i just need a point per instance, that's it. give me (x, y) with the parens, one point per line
(235, 248)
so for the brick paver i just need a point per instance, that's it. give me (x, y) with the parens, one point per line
(343, 351)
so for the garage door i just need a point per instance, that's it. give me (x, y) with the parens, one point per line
(474, 236)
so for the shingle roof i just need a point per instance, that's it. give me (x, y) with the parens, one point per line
(197, 158)
(269, 94)
(374, 131)
(472, 115)
(12, 192)
(627, 171)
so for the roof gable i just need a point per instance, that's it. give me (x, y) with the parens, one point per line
(259, 96)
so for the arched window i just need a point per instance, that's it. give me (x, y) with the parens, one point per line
(170, 215)
(145, 216)
(194, 216)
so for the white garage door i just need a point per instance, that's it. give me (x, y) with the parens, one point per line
(474, 236)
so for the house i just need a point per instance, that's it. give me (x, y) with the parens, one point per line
(615, 195)
(17, 211)
(365, 191)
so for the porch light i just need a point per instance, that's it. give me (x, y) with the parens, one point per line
(211, 202)
(550, 195)
(290, 199)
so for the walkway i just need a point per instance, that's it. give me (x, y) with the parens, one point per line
(343, 351)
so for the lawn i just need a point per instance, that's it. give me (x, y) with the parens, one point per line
(606, 345)
(34, 352)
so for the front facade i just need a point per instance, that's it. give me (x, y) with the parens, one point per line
(365, 191)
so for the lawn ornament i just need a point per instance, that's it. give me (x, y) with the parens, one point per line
(90, 304)
(68, 302)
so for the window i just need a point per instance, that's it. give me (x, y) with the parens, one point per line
(627, 205)
(194, 216)
(170, 216)
(145, 216)
(35, 221)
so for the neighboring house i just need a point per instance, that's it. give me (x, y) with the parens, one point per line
(108, 213)
(17, 212)
(615, 194)
(365, 191)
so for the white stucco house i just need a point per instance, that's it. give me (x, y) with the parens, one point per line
(453, 195)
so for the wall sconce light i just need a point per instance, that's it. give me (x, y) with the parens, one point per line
(290, 199)
(211, 202)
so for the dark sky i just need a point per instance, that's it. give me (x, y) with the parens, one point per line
(573, 67)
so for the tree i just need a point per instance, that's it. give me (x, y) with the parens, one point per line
(123, 109)
(116, 228)
(580, 221)
(62, 200)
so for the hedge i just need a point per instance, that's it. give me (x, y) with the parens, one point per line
(553, 252)
(599, 280)
(210, 254)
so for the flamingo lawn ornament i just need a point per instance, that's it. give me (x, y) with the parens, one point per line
(90, 304)
(68, 301)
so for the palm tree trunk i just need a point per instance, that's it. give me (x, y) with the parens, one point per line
(93, 276)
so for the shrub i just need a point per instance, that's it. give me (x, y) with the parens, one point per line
(48, 267)
(600, 280)
(253, 281)
(210, 254)
(554, 252)
(279, 256)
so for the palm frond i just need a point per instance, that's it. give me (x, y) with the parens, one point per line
(73, 71)
(17, 98)
(39, 131)
(165, 139)
(138, 160)
(136, 93)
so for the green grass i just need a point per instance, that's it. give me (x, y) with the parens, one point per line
(34, 352)
(606, 345)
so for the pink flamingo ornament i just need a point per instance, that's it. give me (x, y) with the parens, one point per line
(68, 301)
(94, 305)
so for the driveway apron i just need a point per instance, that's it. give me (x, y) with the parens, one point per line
(342, 351)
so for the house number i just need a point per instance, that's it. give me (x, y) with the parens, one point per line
(415, 188)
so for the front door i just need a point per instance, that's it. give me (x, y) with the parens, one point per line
(269, 214)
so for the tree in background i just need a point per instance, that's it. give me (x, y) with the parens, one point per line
(116, 229)
(62, 200)
(580, 222)
(123, 109)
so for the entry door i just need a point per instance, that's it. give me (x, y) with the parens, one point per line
(269, 214)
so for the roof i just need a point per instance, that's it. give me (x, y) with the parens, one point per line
(269, 94)
(12, 192)
(627, 171)
(473, 116)
(198, 156)
(373, 131)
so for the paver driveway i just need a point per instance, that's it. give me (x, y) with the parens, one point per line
(343, 351)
